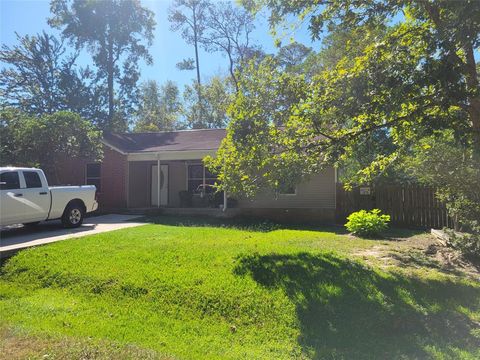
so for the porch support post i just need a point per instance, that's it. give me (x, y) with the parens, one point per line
(158, 180)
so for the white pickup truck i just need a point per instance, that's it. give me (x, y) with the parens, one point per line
(27, 199)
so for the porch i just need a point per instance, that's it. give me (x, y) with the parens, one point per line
(171, 184)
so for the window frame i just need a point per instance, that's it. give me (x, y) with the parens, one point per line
(20, 179)
(294, 193)
(99, 177)
(24, 172)
(203, 178)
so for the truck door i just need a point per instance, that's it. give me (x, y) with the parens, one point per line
(12, 208)
(36, 195)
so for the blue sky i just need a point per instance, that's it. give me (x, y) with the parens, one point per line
(30, 17)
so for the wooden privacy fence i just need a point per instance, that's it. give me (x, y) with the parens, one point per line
(407, 205)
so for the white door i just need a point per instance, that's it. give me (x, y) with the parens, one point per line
(36, 197)
(163, 185)
(12, 206)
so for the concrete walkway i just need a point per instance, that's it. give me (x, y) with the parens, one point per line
(13, 238)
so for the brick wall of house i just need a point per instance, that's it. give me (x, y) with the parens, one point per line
(114, 170)
(113, 177)
(69, 172)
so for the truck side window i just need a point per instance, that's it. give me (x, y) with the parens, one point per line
(9, 180)
(32, 179)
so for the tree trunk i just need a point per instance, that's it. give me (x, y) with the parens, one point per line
(474, 106)
(197, 66)
(231, 67)
(471, 72)
(110, 74)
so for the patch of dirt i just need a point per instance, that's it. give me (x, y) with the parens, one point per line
(420, 251)
(16, 345)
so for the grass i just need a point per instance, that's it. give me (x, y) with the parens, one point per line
(191, 289)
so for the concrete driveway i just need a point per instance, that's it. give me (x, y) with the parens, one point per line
(13, 238)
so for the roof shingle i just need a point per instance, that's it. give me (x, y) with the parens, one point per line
(184, 140)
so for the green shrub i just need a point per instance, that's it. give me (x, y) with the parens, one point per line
(367, 223)
(467, 243)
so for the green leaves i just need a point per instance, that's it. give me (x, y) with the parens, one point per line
(367, 223)
(117, 34)
(159, 107)
(381, 85)
(264, 141)
(40, 77)
(210, 111)
(44, 141)
(447, 163)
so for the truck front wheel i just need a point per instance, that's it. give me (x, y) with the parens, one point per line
(73, 215)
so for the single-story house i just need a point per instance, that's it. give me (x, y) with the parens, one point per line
(154, 170)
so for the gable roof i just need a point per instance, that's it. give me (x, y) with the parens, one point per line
(183, 140)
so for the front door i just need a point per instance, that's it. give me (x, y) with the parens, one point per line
(163, 185)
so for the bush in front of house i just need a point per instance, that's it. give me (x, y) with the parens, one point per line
(367, 223)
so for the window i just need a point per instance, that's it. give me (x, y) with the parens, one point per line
(286, 189)
(9, 180)
(197, 176)
(93, 175)
(32, 180)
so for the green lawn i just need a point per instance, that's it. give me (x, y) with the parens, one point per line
(187, 291)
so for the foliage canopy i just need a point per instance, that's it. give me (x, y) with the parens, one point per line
(413, 74)
(41, 77)
(117, 34)
(45, 141)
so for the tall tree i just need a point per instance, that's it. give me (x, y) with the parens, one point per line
(40, 77)
(414, 77)
(346, 45)
(217, 94)
(188, 17)
(227, 30)
(259, 150)
(117, 34)
(159, 107)
(438, 37)
(292, 55)
(414, 81)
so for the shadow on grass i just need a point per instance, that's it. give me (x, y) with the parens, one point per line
(240, 223)
(416, 258)
(394, 233)
(346, 310)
